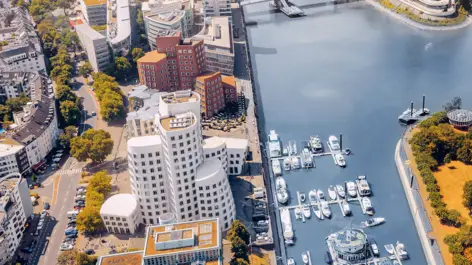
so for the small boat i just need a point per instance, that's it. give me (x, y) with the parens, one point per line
(290, 261)
(375, 248)
(280, 183)
(306, 211)
(317, 212)
(305, 258)
(298, 213)
(332, 193)
(320, 195)
(312, 197)
(346, 207)
(367, 204)
(363, 186)
(334, 143)
(328, 258)
(340, 191)
(340, 160)
(325, 209)
(401, 252)
(351, 189)
(373, 221)
(276, 167)
(315, 144)
(285, 151)
(287, 164)
(389, 248)
(292, 148)
(306, 157)
(295, 162)
(274, 144)
(302, 197)
(282, 196)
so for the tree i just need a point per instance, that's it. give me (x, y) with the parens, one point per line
(70, 112)
(111, 106)
(468, 253)
(122, 66)
(465, 4)
(239, 249)
(67, 257)
(238, 261)
(467, 195)
(89, 220)
(137, 53)
(16, 104)
(464, 153)
(238, 229)
(64, 92)
(65, 137)
(94, 199)
(100, 182)
(458, 259)
(92, 144)
(456, 102)
(85, 69)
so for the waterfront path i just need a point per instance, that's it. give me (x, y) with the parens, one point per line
(420, 227)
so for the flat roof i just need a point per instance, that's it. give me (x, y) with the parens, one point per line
(120, 205)
(128, 258)
(178, 122)
(206, 75)
(143, 141)
(206, 231)
(210, 170)
(180, 97)
(89, 31)
(152, 57)
(9, 146)
(173, 235)
(94, 2)
(231, 143)
(123, 23)
(229, 80)
(219, 31)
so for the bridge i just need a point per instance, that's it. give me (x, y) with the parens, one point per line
(286, 7)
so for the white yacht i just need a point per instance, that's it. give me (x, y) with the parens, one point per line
(325, 209)
(320, 195)
(317, 212)
(287, 164)
(295, 162)
(280, 183)
(285, 151)
(401, 252)
(276, 167)
(298, 213)
(346, 207)
(390, 248)
(315, 144)
(312, 196)
(306, 211)
(287, 225)
(307, 159)
(373, 221)
(290, 261)
(332, 193)
(274, 144)
(363, 186)
(305, 258)
(351, 189)
(340, 191)
(282, 196)
(340, 160)
(334, 143)
(292, 148)
(375, 248)
(367, 204)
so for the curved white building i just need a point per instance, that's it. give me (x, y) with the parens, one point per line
(119, 31)
(231, 152)
(120, 214)
(214, 192)
(15, 208)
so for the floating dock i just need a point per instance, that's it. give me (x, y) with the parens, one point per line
(411, 115)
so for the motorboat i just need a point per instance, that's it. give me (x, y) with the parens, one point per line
(367, 204)
(298, 213)
(375, 248)
(282, 196)
(390, 248)
(285, 151)
(320, 195)
(340, 191)
(340, 160)
(302, 197)
(307, 159)
(401, 252)
(317, 212)
(305, 258)
(328, 258)
(276, 167)
(325, 209)
(287, 164)
(290, 261)
(346, 207)
(334, 143)
(274, 144)
(351, 189)
(315, 144)
(312, 197)
(287, 226)
(295, 162)
(292, 148)
(363, 186)
(373, 221)
(306, 211)
(280, 183)
(332, 193)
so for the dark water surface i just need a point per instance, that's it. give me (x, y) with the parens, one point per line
(352, 70)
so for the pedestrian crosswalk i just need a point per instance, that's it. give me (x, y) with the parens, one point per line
(68, 171)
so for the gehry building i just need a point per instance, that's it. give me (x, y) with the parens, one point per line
(169, 173)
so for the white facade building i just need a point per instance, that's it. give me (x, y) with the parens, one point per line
(145, 103)
(231, 152)
(96, 46)
(13, 157)
(216, 8)
(15, 208)
(167, 16)
(94, 11)
(120, 214)
(119, 29)
(164, 167)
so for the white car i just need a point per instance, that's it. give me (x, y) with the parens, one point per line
(65, 246)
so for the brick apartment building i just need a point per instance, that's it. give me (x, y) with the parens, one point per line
(215, 92)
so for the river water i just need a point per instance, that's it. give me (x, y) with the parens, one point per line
(352, 70)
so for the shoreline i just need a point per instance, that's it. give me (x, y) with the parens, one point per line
(428, 252)
(415, 24)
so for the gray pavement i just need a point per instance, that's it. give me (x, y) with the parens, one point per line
(82, 90)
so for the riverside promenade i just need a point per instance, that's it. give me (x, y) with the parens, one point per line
(430, 247)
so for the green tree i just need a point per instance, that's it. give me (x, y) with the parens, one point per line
(467, 195)
(64, 92)
(66, 136)
(70, 112)
(100, 182)
(94, 199)
(79, 148)
(89, 220)
(238, 229)
(85, 69)
(122, 66)
(239, 249)
(92, 144)
(16, 104)
(458, 259)
(137, 53)
(238, 261)
(111, 106)
(464, 153)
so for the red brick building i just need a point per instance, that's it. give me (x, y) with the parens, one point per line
(229, 89)
(153, 71)
(212, 98)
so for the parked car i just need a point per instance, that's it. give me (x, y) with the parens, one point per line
(65, 246)
(89, 251)
(71, 236)
(27, 250)
(47, 206)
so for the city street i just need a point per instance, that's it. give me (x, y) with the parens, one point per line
(82, 90)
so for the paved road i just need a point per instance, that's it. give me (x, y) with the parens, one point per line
(82, 90)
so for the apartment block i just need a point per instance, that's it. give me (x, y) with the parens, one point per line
(94, 11)
(210, 88)
(216, 8)
(95, 45)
